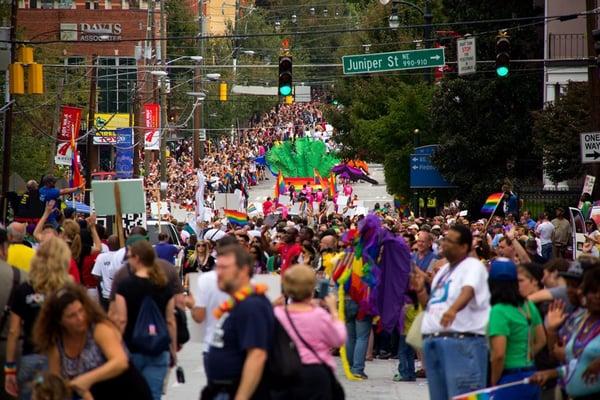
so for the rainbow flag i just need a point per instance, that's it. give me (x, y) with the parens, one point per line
(236, 217)
(473, 396)
(485, 394)
(251, 208)
(279, 186)
(491, 203)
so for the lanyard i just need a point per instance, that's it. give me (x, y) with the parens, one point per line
(445, 278)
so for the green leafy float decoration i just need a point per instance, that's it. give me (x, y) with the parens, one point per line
(300, 158)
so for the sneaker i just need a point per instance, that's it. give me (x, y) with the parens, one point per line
(397, 378)
(421, 373)
(362, 375)
(384, 355)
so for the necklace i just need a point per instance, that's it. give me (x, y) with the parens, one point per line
(585, 334)
(238, 297)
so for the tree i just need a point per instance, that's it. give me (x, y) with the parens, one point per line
(556, 130)
(484, 134)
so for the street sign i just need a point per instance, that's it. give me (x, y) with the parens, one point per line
(393, 61)
(423, 174)
(467, 56)
(590, 147)
(202, 135)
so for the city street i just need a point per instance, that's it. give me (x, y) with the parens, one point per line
(378, 386)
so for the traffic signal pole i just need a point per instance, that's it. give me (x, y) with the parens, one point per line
(594, 82)
(8, 115)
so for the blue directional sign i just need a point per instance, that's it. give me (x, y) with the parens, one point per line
(423, 174)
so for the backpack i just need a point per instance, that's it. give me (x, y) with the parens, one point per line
(150, 334)
(284, 360)
(183, 333)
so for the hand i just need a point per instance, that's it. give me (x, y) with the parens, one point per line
(448, 318)
(91, 221)
(556, 315)
(173, 361)
(540, 378)
(10, 385)
(511, 233)
(590, 375)
(587, 247)
(417, 281)
(81, 384)
(331, 302)
(559, 350)
(50, 207)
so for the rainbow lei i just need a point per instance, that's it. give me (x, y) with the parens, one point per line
(238, 297)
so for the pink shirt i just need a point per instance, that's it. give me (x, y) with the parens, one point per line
(318, 329)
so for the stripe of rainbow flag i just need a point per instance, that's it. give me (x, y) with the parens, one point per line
(491, 203)
(236, 217)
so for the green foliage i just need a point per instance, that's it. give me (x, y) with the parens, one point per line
(484, 133)
(300, 158)
(181, 23)
(556, 129)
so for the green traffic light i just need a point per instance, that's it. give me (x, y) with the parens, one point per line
(285, 90)
(502, 71)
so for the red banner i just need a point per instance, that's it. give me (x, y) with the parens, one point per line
(152, 124)
(70, 121)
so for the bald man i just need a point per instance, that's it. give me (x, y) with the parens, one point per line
(19, 255)
(329, 251)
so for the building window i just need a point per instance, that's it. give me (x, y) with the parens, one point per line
(91, 5)
(107, 4)
(75, 70)
(125, 4)
(47, 4)
(117, 77)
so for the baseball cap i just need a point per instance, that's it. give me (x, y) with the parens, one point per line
(575, 271)
(436, 227)
(134, 239)
(503, 269)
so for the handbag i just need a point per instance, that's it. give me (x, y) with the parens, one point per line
(183, 333)
(284, 359)
(414, 337)
(337, 391)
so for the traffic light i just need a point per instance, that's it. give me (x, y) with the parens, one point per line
(16, 73)
(596, 37)
(285, 76)
(223, 91)
(502, 54)
(35, 79)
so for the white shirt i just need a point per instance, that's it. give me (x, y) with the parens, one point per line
(209, 297)
(105, 267)
(544, 231)
(445, 289)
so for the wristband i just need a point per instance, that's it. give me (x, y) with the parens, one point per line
(561, 371)
(10, 368)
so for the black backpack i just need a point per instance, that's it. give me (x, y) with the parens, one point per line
(284, 361)
(150, 334)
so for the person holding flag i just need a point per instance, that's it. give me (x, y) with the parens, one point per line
(49, 192)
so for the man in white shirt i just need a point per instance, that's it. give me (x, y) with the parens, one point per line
(105, 267)
(544, 231)
(209, 297)
(455, 320)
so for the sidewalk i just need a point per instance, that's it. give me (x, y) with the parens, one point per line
(378, 386)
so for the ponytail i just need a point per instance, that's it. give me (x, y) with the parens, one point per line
(157, 275)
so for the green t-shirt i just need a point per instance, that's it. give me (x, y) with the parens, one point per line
(507, 320)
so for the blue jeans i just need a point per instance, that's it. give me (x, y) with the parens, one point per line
(153, 369)
(520, 392)
(455, 366)
(358, 338)
(30, 367)
(547, 251)
(406, 359)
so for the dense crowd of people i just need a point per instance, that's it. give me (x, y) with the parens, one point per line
(487, 303)
(231, 164)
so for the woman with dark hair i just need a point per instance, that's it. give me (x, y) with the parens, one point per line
(148, 281)
(582, 368)
(84, 347)
(516, 333)
(259, 262)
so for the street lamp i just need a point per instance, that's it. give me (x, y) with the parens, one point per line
(294, 19)
(325, 13)
(312, 11)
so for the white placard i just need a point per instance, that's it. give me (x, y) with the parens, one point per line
(342, 201)
(467, 56)
(283, 199)
(164, 209)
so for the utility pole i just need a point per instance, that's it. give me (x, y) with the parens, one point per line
(427, 29)
(164, 119)
(7, 142)
(92, 158)
(199, 110)
(594, 81)
(149, 92)
(55, 123)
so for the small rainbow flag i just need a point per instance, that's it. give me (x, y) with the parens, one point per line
(473, 396)
(279, 185)
(485, 394)
(251, 208)
(236, 217)
(491, 203)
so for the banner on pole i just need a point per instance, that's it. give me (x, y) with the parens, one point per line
(70, 122)
(152, 124)
(124, 157)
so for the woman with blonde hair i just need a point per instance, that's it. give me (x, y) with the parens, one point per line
(71, 233)
(48, 274)
(315, 332)
(85, 348)
(146, 288)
